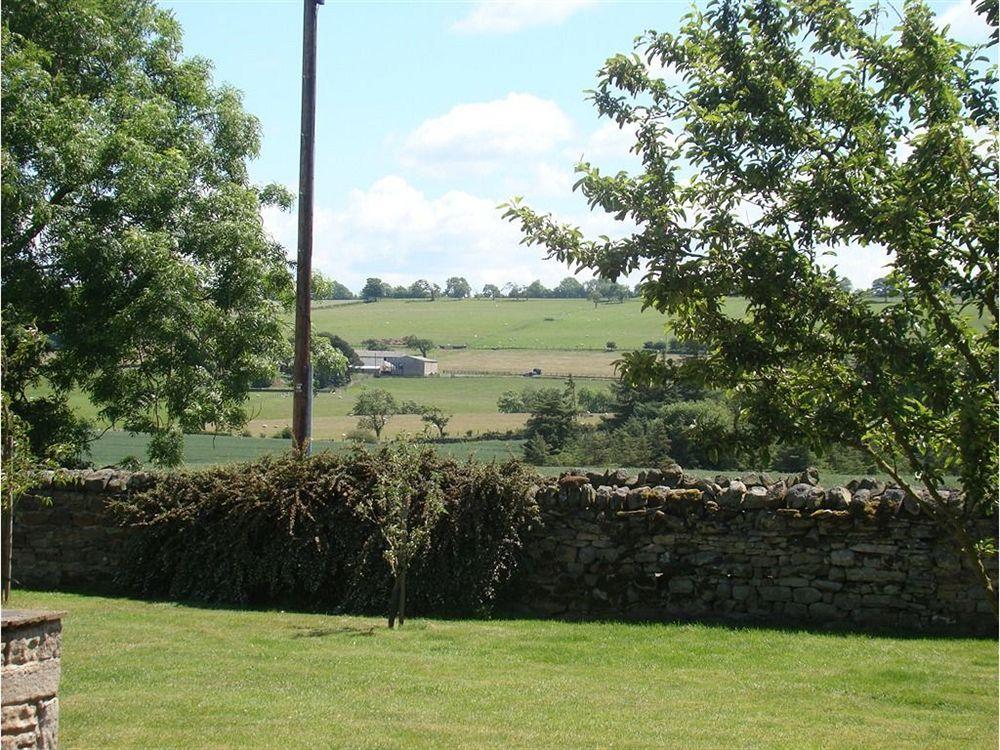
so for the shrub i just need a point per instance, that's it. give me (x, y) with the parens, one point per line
(287, 531)
(700, 433)
(510, 402)
(285, 433)
(595, 401)
(359, 435)
(536, 452)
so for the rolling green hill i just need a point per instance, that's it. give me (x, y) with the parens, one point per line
(502, 324)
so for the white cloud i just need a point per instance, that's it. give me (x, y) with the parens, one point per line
(966, 25)
(668, 73)
(481, 137)
(862, 265)
(552, 180)
(396, 232)
(609, 141)
(506, 16)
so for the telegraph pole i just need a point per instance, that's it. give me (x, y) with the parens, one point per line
(302, 369)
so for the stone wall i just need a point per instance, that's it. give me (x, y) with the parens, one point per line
(658, 545)
(667, 545)
(65, 534)
(30, 679)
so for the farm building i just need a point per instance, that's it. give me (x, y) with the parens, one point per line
(395, 363)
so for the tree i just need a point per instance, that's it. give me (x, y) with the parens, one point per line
(814, 153)
(883, 288)
(536, 452)
(421, 345)
(323, 287)
(553, 416)
(131, 232)
(457, 287)
(347, 350)
(594, 296)
(404, 502)
(491, 291)
(329, 365)
(420, 289)
(434, 415)
(375, 406)
(513, 290)
(320, 286)
(569, 288)
(510, 402)
(374, 289)
(536, 290)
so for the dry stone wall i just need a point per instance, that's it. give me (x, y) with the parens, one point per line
(657, 545)
(667, 545)
(65, 533)
(29, 681)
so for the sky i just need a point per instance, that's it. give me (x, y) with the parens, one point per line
(431, 114)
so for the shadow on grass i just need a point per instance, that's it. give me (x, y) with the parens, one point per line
(304, 631)
(507, 613)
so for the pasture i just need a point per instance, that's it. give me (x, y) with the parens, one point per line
(472, 400)
(269, 679)
(537, 324)
(573, 324)
(208, 450)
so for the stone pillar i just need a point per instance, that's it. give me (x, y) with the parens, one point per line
(30, 679)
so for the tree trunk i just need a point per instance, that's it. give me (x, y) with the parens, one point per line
(402, 596)
(8, 540)
(8, 516)
(394, 604)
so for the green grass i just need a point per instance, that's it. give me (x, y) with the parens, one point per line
(505, 324)
(472, 400)
(159, 675)
(542, 324)
(466, 395)
(209, 450)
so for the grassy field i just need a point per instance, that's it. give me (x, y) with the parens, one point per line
(472, 400)
(208, 450)
(539, 324)
(159, 675)
(556, 362)
(504, 324)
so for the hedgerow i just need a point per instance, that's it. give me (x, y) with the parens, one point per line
(287, 531)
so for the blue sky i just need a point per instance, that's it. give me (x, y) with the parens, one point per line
(430, 114)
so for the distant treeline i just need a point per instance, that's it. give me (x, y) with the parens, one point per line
(457, 287)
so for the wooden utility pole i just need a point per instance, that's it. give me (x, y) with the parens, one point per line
(302, 369)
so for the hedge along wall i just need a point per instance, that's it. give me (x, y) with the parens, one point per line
(653, 546)
(272, 532)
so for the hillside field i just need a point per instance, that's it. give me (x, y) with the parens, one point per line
(574, 324)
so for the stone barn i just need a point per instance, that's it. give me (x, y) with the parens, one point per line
(396, 363)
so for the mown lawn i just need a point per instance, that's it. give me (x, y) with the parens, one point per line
(157, 675)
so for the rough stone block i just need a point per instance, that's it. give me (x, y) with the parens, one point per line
(775, 593)
(842, 557)
(681, 586)
(807, 595)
